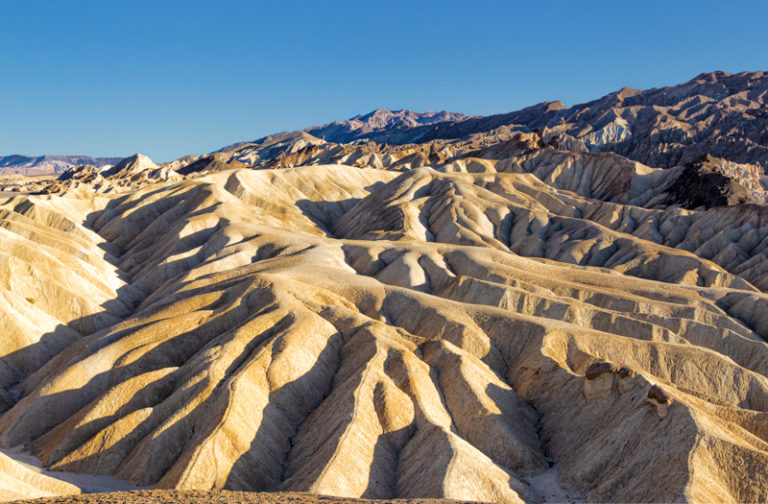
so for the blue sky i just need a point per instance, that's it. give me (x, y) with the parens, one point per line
(172, 78)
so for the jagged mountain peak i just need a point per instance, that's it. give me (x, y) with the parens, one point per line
(383, 117)
(380, 120)
(710, 77)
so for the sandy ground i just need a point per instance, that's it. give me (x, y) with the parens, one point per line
(88, 483)
(546, 485)
(224, 497)
(108, 490)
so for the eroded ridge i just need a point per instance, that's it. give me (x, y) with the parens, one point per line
(367, 333)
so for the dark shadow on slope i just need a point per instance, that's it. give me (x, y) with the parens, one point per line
(325, 214)
(262, 466)
(24, 362)
(320, 434)
(608, 448)
(385, 466)
(423, 464)
(174, 353)
(383, 474)
(22, 365)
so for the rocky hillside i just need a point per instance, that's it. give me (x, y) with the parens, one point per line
(380, 122)
(716, 113)
(500, 315)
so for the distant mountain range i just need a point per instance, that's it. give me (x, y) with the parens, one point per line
(380, 122)
(716, 113)
(719, 114)
(16, 164)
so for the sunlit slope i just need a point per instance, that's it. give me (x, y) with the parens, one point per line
(56, 282)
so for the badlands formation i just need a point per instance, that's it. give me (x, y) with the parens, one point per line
(545, 306)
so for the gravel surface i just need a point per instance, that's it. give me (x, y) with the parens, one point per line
(223, 497)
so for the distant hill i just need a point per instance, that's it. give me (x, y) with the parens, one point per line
(16, 164)
(380, 121)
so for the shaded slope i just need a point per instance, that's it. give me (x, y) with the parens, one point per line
(714, 113)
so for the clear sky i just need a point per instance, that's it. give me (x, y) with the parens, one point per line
(109, 78)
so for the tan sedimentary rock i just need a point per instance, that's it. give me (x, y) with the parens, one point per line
(447, 331)
(20, 481)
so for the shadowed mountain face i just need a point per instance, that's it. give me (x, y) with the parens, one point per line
(379, 122)
(716, 113)
(502, 316)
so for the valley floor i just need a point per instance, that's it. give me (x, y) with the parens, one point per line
(222, 497)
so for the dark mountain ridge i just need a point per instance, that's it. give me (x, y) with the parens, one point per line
(715, 113)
